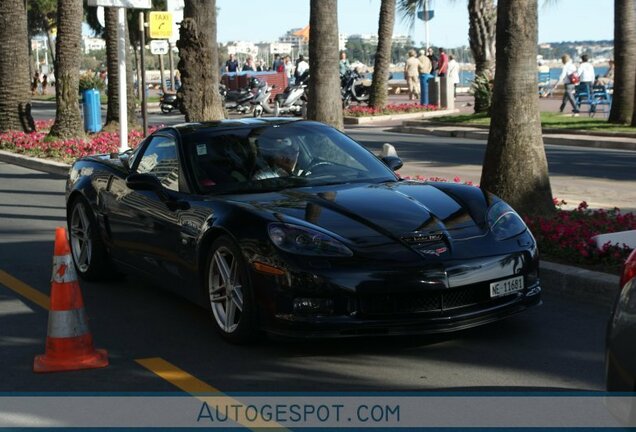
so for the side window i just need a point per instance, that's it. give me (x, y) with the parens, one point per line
(322, 147)
(160, 159)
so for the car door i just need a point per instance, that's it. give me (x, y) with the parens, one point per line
(144, 228)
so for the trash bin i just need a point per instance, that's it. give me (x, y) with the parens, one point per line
(92, 110)
(424, 100)
(434, 92)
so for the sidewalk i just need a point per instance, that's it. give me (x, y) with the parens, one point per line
(550, 136)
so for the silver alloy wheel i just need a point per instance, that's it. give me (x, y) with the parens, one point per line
(225, 289)
(81, 243)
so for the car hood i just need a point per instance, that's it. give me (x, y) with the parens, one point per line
(421, 217)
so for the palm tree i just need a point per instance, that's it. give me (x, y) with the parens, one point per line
(15, 100)
(325, 104)
(515, 166)
(198, 64)
(68, 122)
(112, 64)
(379, 87)
(625, 61)
(482, 19)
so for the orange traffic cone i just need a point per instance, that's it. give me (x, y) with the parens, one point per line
(69, 343)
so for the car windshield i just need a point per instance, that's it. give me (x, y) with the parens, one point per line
(279, 156)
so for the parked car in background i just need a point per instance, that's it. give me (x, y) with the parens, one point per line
(621, 334)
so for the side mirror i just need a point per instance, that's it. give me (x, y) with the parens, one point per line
(395, 163)
(390, 157)
(146, 182)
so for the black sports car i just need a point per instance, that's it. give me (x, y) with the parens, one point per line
(292, 227)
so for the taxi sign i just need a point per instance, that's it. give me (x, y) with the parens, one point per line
(160, 25)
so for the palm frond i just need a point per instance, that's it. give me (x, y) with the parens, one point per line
(408, 10)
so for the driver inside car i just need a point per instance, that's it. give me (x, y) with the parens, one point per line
(281, 157)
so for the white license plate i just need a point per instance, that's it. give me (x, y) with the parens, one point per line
(506, 286)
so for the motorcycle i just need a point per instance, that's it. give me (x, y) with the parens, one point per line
(352, 89)
(240, 100)
(294, 99)
(169, 102)
(261, 99)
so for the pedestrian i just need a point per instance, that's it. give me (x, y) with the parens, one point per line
(301, 58)
(35, 83)
(424, 69)
(45, 83)
(433, 58)
(608, 78)
(249, 65)
(344, 64)
(442, 66)
(232, 64)
(587, 77)
(277, 64)
(288, 68)
(569, 78)
(453, 73)
(411, 73)
(301, 68)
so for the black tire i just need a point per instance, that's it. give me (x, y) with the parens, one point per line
(98, 265)
(166, 109)
(243, 329)
(276, 110)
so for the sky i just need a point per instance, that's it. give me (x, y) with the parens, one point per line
(559, 20)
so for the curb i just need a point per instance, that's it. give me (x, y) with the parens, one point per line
(574, 282)
(597, 142)
(45, 165)
(581, 284)
(407, 116)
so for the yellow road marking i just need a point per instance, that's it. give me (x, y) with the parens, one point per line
(176, 376)
(25, 290)
(193, 385)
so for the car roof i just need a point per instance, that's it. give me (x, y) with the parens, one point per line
(186, 129)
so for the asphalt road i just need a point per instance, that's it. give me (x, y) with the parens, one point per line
(557, 346)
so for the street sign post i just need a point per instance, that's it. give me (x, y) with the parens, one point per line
(121, 57)
(160, 25)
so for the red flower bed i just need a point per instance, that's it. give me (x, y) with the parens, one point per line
(567, 235)
(37, 144)
(364, 111)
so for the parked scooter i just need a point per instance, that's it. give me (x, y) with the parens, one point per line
(169, 102)
(352, 88)
(240, 100)
(294, 99)
(261, 99)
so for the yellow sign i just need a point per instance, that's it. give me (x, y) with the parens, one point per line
(160, 25)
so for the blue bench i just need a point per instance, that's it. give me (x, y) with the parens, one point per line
(600, 97)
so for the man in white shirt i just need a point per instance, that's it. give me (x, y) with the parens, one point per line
(587, 76)
(566, 78)
(301, 67)
(453, 73)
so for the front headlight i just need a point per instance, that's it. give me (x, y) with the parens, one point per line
(504, 222)
(305, 241)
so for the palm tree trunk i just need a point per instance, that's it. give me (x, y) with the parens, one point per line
(379, 87)
(482, 22)
(515, 165)
(15, 94)
(325, 104)
(198, 64)
(68, 122)
(625, 61)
